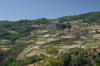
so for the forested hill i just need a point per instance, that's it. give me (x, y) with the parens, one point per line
(91, 17)
(3, 22)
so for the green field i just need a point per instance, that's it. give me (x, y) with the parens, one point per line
(75, 26)
(4, 46)
(2, 43)
(23, 53)
(74, 22)
(21, 41)
(41, 39)
(55, 39)
(24, 41)
(30, 41)
(86, 38)
(91, 44)
(94, 28)
(45, 51)
(83, 28)
(97, 35)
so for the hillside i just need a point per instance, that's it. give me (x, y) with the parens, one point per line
(92, 17)
(75, 41)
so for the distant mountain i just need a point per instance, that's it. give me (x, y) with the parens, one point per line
(4, 21)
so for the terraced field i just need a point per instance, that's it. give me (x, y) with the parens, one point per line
(91, 44)
(2, 43)
(23, 53)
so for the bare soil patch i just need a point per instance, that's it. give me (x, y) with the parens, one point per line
(35, 52)
(39, 36)
(78, 42)
(36, 47)
(92, 31)
(30, 46)
(42, 42)
(4, 49)
(10, 31)
(44, 31)
(96, 35)
(94, 27)
(83, 37)
(34, 26)
(5, 40)
(47, 35)
(67, 36)
(70, 46)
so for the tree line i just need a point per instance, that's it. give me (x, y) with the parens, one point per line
(92, 17)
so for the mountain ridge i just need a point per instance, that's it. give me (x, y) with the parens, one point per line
(4, 21)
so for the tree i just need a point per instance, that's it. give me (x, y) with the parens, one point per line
(51, 61)
(52, 50)
(61, 26)
(96, 31)
(98, 54)
(97, 61)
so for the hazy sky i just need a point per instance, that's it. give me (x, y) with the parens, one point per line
(32, 9)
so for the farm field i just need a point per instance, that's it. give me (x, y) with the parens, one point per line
(2, 43)
(96, 35)
(23, 53)
(91, 44)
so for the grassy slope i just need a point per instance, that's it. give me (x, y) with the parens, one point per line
(2, 43)
(90, 44)
(23, 53)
